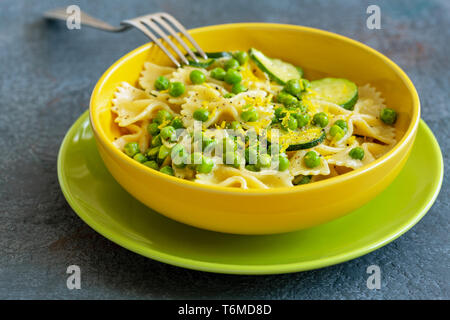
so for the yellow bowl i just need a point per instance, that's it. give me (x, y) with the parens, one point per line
(278, 210)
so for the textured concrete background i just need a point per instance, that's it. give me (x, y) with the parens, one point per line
(46, 76)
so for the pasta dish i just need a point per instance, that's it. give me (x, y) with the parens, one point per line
(242, 119)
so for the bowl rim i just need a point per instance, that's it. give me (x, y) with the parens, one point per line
(407, 137)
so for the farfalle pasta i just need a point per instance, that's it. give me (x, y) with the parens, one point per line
(244, 120)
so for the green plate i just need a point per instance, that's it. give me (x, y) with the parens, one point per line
(102, 203)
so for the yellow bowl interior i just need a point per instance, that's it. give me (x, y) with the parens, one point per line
(320, 54)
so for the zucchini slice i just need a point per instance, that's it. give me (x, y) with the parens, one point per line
(220, 54)
(339, 91)
(202, 63)
(305, 138)
(206, 63)
(300, 71)
(277, 70)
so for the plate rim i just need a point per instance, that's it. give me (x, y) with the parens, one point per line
(217, 267)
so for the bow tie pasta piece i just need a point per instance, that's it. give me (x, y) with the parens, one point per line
(234, 181)
(333, 173)
(126, 92)
(174, 102)
(201, 97)
(132, 105)
(369, 126)
(345, 140)
(254, 79)
(329, 107)
(298, 166)
(366, 116)
(135, 133)
(344, 159)
(221, 109)
(150, 73)
(370, 101)
(325, 150)
(228, 176)
(376, 149)
(183, 75)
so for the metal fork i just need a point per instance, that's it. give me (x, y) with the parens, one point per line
(149, 25)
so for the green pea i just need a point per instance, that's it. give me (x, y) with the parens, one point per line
(293, 87)
(251, 167)
(197, 77)
(337, 132)
(231, 64)
(281, 96)
(196, 158)
(320, 119)
(201, 114)
(241, 57)
(303, 119)
(177, 123)
(342, 124)
(232, 158)
(153, 152)
(251, 155)
(162, 83)
(228, 144)
(208, 143)
(131, 148)
(311, 159)
(167, 170)
(218, 73)
(206, 165)
(264, 161)
(283, 163)
(168, 133)
(179, 155)
(162, 115)
(163, 152)
(357, 153)
(176, 89)
(153, 129)
(305, 84)
(290, 101)
(229, 95)
(287, 99)
(299, 180)
(279, 112)
(234, 125)
(238, 88)
(156, 141)
(301, 106)
(151, 164)
(139, 157)
(249, 115)
(292, 123)
(178, 150)
(232, 76)
(388, 116)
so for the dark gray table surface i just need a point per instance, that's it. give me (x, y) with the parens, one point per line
(47, 73)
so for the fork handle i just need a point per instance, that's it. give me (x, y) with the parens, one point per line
(85, 20)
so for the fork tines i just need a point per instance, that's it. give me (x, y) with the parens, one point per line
(153, 23)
